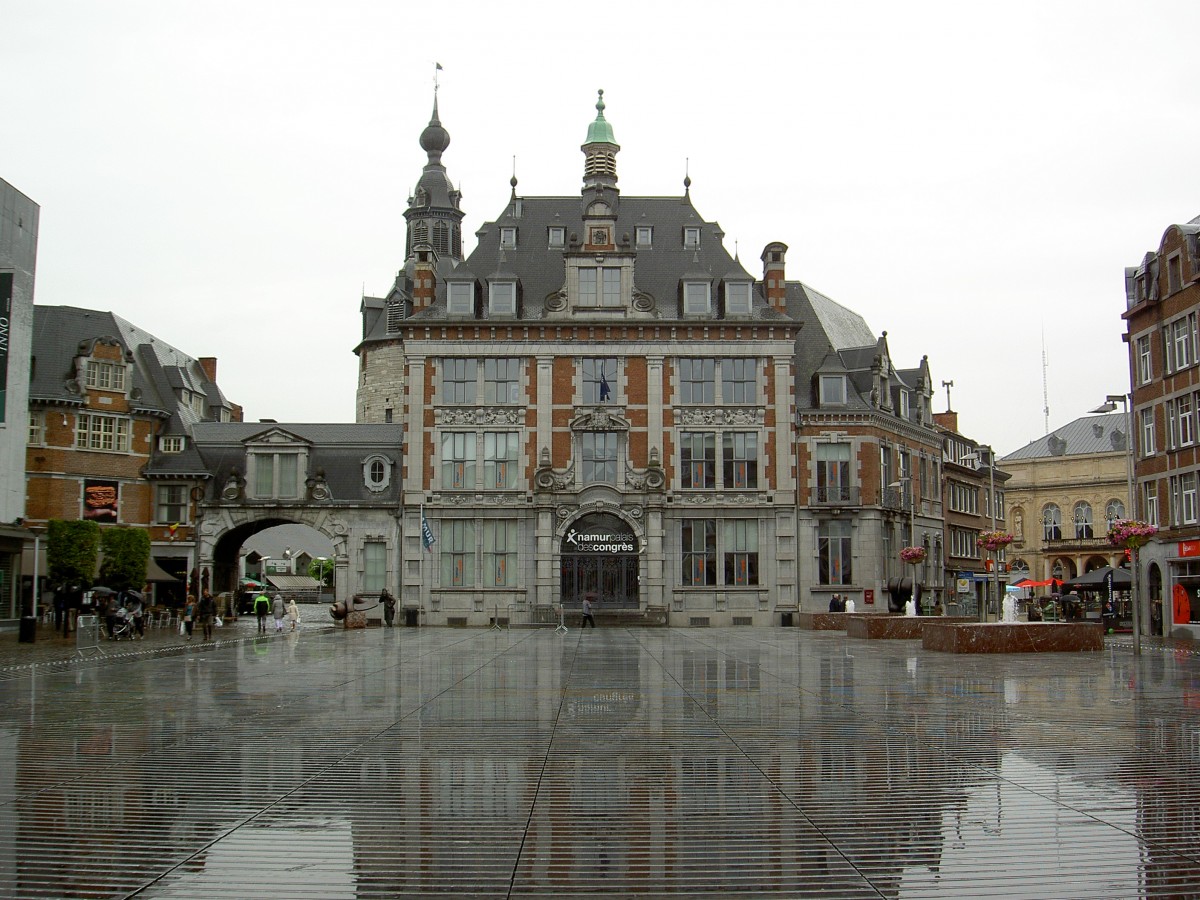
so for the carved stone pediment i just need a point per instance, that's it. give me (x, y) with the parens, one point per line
(599, 418)
(716, 415)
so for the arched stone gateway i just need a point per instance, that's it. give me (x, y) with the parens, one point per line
(600, 556)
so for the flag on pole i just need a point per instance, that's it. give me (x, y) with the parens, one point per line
(427, 538)
(439, 66)
(605, 390)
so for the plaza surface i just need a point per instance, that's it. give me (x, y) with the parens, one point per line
(616, 762)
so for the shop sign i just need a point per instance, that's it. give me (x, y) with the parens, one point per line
(599, 540)
(1189, 548)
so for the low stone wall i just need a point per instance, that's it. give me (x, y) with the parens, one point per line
(822, 621)
(910, 628)
(1013, 637)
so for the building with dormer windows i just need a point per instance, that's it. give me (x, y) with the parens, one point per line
(600, 400)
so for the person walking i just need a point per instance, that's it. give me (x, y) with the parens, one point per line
(262, 606)
(588, 619)
(278, 610)
(293, 613)
(137, 611)
(389, 607)
(189, 615)
(205, 612)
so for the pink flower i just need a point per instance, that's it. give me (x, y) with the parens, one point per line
(913, 554)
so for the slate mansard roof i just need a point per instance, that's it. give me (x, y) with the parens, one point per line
(1090, 434)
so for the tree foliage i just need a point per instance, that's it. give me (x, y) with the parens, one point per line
(322, 571)
(71, 549)
(126, 556)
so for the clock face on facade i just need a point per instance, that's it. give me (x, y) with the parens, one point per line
(599, 236)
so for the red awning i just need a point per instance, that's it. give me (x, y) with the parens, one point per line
(1029, 583)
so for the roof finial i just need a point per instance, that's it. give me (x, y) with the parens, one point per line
(437, 67)
(600, 104)
(687, 179)
(513, 181)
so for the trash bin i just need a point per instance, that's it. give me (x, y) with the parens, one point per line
(410, 616)
(785, 619)
(27, 631)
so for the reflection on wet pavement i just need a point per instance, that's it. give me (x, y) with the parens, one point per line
(698, 762)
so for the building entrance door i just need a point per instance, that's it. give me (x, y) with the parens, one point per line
(600, 557)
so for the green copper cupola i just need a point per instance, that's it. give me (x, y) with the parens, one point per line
(600, 151)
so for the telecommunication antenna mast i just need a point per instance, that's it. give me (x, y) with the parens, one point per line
(1045, 384)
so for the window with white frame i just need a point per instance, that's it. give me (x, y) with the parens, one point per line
(599, 457)
(599, 379)
(377, 473)
(699, 545)
(964, 543)
(171, 443)
(37, 429)
(1147, 417)
(902, 410)
(741, 552)
(1172, 424)
(691, 237)
(698, 459)
(834, 552)
(697, 380)
(170, 506)
(644, 236)
(460, 298)
(600, 286)
(501, 380)
(1150, 502)
(500, 454)
(1187, 432)
(275, 473)
(458, 381)
(1145, 371)
(1083, 521)
(458, 460)
(95, 432)
(500, 553)
(737, 298)
(696, 298)
(374, 566)
(502, 298)
(1051, 522)
(105, 376)
(508, 237)
(556, 236)
(739, 380)
(833, 471)
(1180, 342)
(457, 541)
(739, 459)
(198, 403)
(1187, 489)
(1114, 512)
(832, 390)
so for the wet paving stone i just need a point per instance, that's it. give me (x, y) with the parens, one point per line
(651, 763)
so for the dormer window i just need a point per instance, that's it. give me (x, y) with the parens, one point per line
(696, 298)
(902, 404)
(105, 376)
(508, 237)
(171, 443)
(599, 286)
(502, 300)
(644, 235)
(556, 236)
(833, 390)
(377, 473)
(737, 298)
(460, 298)
(691, 237)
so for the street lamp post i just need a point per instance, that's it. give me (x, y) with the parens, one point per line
(1110, 405)
(906, 481)
(994, 581)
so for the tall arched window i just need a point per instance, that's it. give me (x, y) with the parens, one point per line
(1114, 512)
(1051, 522)
(1083, 520)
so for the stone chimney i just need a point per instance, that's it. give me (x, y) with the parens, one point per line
(774, 280)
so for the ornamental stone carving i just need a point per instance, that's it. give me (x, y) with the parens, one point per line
(599, 418)
(715, 416)
(479, 416)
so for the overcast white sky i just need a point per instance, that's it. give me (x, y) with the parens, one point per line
(969, 178)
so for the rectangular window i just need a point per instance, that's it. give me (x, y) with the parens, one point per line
(458, 460)
(833, 472)
(691, 238)
(599, 457)
(501, 381)
(1186, 422)
(697, 380)
(737, 298)
(589, 291)
(500, 553)
(500, 459)
(738, 380)
(644, 234)
(508, 237)
(698, 459)
(1150, 502)
(276, 475)
(740, 459)
(1172, 424)
(458, 381)
(1143, 360)
(741, 552)
(1174, 274)
(94, 432)
(1187, 488)
(461, 300)
(556, 236)
(699, 539)
(374, 566)
(503, 298)
(695, 297)
(457, 541)
(105, 376)
(171, 443)
(612, 287)
(37, 429)
(1148, 448)
(833, 552)
(170, 506)
(600, 380)
(833, 390)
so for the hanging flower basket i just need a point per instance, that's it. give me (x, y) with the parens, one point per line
(994, 540)
(1130, 533)
(913, 555)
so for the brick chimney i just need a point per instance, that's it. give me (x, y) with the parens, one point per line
(774, 280)
(947, 420)
(209, 365)
(424, 288)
